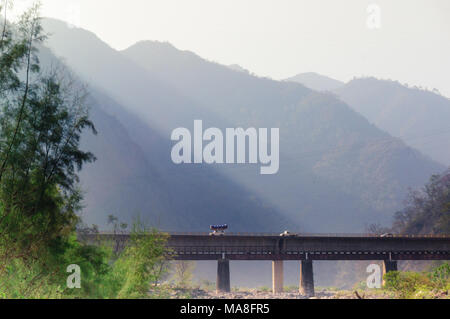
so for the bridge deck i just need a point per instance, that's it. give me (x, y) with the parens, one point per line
(202, 246)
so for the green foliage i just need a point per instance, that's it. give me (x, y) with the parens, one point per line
(440, 276)
(183, 273)
(130, 274)
(42, 117)
(360, 285)
(418, 285)
(428, 211)
(207, 285)
(21, 281)
(403, 283)
(46, 276)
(143, 262)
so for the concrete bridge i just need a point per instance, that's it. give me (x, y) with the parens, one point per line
(304, 247)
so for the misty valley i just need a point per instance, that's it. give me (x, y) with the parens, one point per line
(317, 167)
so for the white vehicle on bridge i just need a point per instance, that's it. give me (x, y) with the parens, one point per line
(387, 235)
(218, 230)
(287, 233)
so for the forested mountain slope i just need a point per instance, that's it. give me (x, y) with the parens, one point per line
(337, 171)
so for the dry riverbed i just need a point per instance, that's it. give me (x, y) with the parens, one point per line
(264, 294)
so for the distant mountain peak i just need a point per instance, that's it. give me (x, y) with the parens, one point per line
(154, 45)
(161, 50)
(237, 67)
(315, 81)
(393, 84)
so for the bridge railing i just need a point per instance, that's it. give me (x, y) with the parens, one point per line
(293, 234)
(240, 249)
(300, 234)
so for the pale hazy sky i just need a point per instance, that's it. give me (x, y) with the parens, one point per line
(280, 38)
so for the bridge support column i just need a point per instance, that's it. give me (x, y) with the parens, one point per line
(223, 275)
(277, 276)
(389, 265)
(306, 278)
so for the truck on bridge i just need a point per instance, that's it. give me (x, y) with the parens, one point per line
(218, 230)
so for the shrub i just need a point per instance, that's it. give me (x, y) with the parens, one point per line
(144, 262)
(409, 284)
(440, 276)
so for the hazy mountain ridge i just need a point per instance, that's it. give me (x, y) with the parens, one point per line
(419, 117)
(197, 196)
(316, 81)
(133, 175)
(237, 67)
(120, 172)
(250, 101)
(337, 171)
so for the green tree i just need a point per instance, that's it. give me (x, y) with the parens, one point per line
(428, 210)
(42, 116)
(143, 262)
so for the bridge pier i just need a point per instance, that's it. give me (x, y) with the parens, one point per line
(306, 286)
(223, 275)
(389, 265)
(277, 276)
